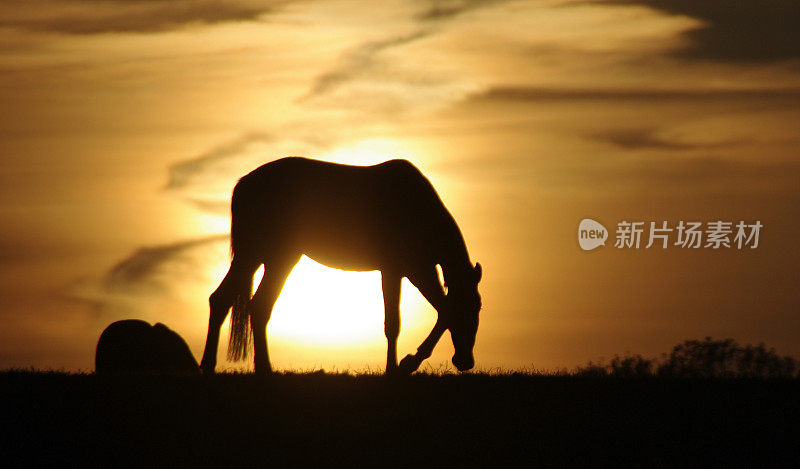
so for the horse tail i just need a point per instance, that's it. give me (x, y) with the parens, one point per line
(241, 338)
(241, 335)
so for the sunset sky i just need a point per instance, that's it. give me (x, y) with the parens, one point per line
(125, 125)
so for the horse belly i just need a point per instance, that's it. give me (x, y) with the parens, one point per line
(345, 249)
(342, 239)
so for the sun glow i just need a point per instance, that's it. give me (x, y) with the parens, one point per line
(213, 224)
(322, 306)
(370, 151)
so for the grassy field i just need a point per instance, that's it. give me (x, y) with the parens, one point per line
(472, 419)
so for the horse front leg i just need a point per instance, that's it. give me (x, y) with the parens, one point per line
(411, 363)
(391, 283)
(427, 282)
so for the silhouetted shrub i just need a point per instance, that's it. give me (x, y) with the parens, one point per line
(592, 369)
(726, 359)
(628, 366)
(631, 366)
(706, 358)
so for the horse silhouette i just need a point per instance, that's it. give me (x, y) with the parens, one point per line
(385, 217)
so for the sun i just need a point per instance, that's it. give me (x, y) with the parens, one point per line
(323, 306)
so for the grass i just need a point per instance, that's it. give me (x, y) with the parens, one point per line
(368, 419)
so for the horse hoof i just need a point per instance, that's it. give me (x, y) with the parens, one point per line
(408, 365)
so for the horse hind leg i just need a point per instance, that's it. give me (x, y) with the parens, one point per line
(261, 305)
(235, 283)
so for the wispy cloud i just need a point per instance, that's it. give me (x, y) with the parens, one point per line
(738, 31)
(129, 16)
(206, 180)
(152, 277)
(437, 10)
(357, 61)
(368, 77)
(142, 267)
(651, 138)
(633, 94)
(185, 173)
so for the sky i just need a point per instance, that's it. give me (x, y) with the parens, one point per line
(125, 125)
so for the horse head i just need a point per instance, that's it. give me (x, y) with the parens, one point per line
(464, 305)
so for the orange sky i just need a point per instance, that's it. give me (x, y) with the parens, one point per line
(125, 124)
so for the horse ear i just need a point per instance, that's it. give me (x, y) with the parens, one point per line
(478, 272)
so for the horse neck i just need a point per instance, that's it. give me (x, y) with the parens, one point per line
(455, 260)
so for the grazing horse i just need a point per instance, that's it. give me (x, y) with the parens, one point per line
(385, 217)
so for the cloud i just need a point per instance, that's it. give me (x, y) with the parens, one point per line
(144, 267)
(357, 61)
(438, 10)
(369, 78)
(667, 174)
(627, 139)
(631, 94)
(154, 277)
(705, 174)
(126, 16)
(185, 173)
(735, 31)
(206, 180)
(641, 138)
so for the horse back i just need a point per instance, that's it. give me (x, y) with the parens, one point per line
(351, 217)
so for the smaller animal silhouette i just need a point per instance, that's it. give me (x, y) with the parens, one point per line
(134, 346)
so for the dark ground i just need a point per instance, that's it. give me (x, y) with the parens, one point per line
(371, 420)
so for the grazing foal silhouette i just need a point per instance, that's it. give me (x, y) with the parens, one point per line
(385, 217)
